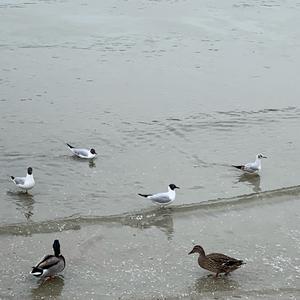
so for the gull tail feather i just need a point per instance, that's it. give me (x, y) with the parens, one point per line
(144, 195)
(69, 146)
(239, 167)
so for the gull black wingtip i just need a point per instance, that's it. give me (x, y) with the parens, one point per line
(71, 147)
(238, 167)
(144, 195)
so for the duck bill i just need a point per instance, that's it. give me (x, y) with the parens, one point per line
(191, 252)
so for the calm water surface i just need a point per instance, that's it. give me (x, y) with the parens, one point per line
(166, 92)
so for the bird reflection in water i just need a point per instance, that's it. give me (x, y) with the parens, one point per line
(92, 163)
(24, 201)
(48, 289)
(160, 218)
(210, 284)
(252, 180)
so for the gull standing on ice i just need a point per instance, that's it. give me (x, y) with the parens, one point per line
(163, 198)
(25, 183)
(253, 167)
(82, 153)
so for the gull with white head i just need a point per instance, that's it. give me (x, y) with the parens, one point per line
(253, 167)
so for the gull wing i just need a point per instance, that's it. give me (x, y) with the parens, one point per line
(19, 180)
(251, 167)
(160, 198)
(81, 152)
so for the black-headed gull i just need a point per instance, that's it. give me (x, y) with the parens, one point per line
(25, 183)
(253, 167)
(163, 198)
(82, 153)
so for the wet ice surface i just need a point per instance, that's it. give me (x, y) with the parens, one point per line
(166, 92)
(146, 256)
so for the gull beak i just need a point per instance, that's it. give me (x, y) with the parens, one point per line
(264, 156)
(177, 187)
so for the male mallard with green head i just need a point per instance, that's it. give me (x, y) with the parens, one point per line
(216, 262)
(50, 265)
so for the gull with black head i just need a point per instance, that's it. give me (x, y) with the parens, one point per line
(24, 183)
(82, 152)
(163, 198)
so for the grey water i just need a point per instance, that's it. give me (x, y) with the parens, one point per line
(166, 92)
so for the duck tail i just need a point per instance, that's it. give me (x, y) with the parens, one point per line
(69, 146)
(144, 195)
(233, 263)
(36, 271)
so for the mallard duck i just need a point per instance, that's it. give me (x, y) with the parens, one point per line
(82, 153)
(253, 167)
(25, 183)
(162, 198)
(50, 265)
(216, 262)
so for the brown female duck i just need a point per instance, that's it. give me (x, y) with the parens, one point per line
(216, 262)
